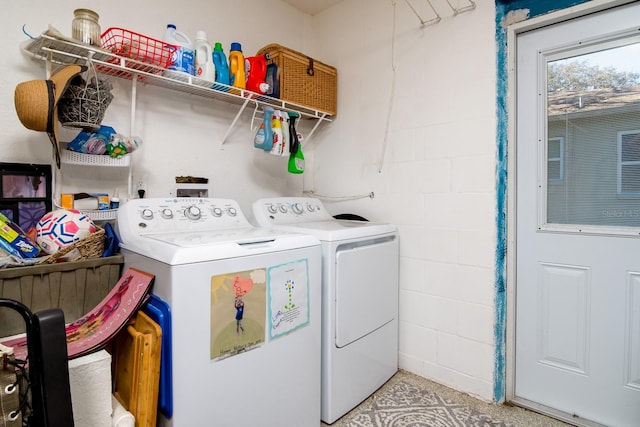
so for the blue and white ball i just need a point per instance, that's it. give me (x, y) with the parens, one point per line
(60, 228)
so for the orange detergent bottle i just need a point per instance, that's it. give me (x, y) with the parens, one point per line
(236, 66)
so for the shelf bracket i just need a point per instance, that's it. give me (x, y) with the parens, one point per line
(320, 120)
(134, 101)
(235, 120)
(132, 127)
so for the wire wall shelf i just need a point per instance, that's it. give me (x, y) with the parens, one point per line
(61, 51)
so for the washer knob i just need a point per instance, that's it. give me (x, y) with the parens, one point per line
(310, 207)
(282, 208)
(297, 208)
(192, 212)
(272, 209)
(217, 212)
(232, 211)
(147, 214)
(166, 213)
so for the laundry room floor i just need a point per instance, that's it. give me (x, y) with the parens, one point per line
(408, 399)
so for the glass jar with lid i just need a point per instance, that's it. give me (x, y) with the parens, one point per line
(85, 27)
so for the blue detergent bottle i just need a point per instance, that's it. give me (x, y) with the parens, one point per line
(221, 65)
(273, 80)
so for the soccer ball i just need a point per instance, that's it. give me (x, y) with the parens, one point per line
(60, 228)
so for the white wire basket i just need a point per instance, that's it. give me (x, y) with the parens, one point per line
(74, 158)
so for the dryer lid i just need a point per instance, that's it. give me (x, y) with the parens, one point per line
(308, 215)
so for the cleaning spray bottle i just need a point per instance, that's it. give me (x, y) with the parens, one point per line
(264, 135)
(276, 128)
(286, 133)
(296, 158)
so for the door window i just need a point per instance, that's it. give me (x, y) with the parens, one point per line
(592, 151)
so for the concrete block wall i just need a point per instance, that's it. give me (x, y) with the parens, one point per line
(433, 174)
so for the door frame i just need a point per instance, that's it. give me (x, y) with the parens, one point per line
(513, 30)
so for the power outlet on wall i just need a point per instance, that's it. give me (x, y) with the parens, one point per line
(141, 187)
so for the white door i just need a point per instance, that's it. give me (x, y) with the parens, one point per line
(578, 218)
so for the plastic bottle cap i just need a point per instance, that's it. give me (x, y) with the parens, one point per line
(171, 26)
(236, 46)
(218, 46)
(264, 87)
(202, 35)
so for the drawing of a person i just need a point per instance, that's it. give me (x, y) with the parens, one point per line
(239, 304)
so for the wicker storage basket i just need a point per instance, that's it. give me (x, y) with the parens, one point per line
(91, 246)
(85, 101)
(303, 80)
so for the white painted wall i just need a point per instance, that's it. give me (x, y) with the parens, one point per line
(436, 179)
(180, 133)
(433, 175)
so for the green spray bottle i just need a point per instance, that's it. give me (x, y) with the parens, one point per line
(296, 158)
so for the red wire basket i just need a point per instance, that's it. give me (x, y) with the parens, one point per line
(137, 47)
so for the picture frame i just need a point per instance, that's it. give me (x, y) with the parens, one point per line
(25, 192)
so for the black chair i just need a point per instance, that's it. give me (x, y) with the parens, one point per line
(48, 366)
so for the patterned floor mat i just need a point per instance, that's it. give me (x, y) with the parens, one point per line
(402, 404)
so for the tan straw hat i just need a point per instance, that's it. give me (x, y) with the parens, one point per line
(36, 103)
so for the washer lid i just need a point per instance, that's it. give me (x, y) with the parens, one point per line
(211, 237)
(190, 247)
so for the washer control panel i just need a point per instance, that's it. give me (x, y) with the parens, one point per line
(289, 210)
(175, 215)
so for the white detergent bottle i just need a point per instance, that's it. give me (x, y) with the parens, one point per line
(182, 57)
(203, 58)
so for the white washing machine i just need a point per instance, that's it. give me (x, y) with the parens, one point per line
(359, 298)
(245, 307)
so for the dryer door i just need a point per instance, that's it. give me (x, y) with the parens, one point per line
(366, 287)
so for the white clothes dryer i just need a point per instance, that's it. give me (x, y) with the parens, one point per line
(245, 309)
(359, 298)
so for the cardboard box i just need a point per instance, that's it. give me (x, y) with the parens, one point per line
(66, 201)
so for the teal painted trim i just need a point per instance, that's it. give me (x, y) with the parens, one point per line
(537, 7)
(503, 7)
(500, 297)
